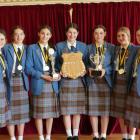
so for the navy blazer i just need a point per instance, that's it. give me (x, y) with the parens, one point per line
(34, 67)
(108, 60)
(138, 73)
(8, 52)
(132, 51)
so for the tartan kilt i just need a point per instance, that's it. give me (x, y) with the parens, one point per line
(19, 102)
(118, 97)
(45, 105)
(98, 97)
(132, 115)
(72, 97)
(5, 113)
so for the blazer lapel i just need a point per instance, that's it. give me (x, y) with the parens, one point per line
(38, 52)
(66, 49)
(93, 49)
(117, 50)
(23, 57)
(105, 55)
(11, 51)
(129, 57)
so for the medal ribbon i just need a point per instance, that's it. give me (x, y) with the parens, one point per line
(2, 62)
(122, 57)
(45, 56)
(136, 64)
(18, 57)
(138, 59)
(100, 50)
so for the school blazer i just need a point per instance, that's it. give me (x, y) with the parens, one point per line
(132, 50)
(6, 78)
(34, 67)
(138, 73)
(8, 51)
(107, 63)
(138, 80)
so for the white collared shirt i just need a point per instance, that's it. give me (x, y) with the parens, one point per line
(15, 57)
(43, 61)
(69, 45)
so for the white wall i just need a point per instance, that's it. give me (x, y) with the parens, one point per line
(41, 2)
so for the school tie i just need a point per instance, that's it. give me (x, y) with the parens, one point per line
(19, 52)
(121, 57)
(73, 49)
(17, 71)
(122, 52)
(45, 51)
(99, 50)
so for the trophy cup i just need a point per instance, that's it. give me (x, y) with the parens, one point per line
(96, 61)
(52, 59)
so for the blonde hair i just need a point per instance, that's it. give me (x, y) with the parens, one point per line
(125, 30)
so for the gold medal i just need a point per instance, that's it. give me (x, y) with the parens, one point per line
(121, 71)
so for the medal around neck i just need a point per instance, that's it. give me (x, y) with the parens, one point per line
(46, 68)
(3, 73)
(121, 71)
(19, 67)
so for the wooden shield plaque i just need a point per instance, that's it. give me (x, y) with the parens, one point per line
(73, 66)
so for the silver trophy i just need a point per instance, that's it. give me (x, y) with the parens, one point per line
(97, 62)
(52, 59)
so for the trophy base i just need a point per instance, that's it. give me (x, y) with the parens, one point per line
(95, 73)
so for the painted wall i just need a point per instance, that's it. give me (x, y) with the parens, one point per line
(42, 2)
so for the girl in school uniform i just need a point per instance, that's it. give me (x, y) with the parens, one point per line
(43, 87)
(15, 55)
(132, 115)
(123, 63)
(5, 114)
(72, 95)
(99, 81)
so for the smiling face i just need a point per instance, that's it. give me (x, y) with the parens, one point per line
(138, 36)
(2, 40)
(123, 38)
(99, 35)
(44, 35)
(18, 36)
(72, 34)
